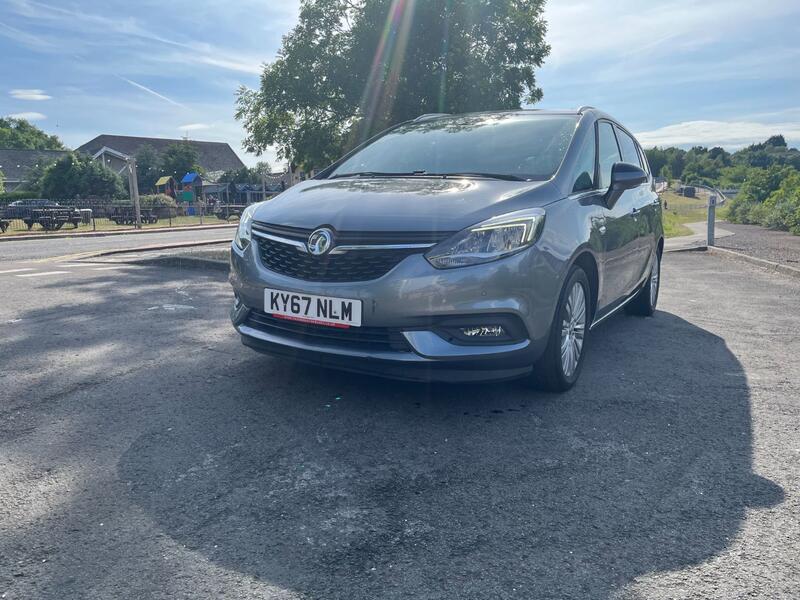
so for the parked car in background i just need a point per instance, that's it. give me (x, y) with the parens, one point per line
(457, 248)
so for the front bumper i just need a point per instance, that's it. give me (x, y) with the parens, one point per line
(410, 299)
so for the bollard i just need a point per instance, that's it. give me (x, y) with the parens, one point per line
(712, 206)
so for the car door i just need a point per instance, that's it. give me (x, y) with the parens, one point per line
(641, 206)
(619, 230)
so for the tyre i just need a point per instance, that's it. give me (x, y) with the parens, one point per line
(559, 367)
(645, 302)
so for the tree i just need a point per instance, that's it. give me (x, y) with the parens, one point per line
(22, 135)
(246, 175)
(179, 159)
(148, 169)
(78, 175)
(350, 68)
(2, 182)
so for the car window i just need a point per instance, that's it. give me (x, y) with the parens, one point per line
(609, 152)
(529, 146)
(628, 147)
(584, 171)
(643, 160)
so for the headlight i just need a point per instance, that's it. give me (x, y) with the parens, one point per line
(490, 240)
(243, 233)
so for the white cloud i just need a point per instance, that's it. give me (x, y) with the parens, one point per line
(728, 134)
(29, 95)
(194, 127)
(28, 116)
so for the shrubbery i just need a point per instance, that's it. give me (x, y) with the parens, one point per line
(770, 198)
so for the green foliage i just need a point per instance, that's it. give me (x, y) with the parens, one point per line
(157, 201)
(243, 175)
(179, 159)
(671, 158)
(77, 175)
(148, 169)
(350, 68)
(22, 135)
(772, 152)
(8, 197)
(768, 197)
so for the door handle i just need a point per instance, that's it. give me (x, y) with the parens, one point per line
(635, 210)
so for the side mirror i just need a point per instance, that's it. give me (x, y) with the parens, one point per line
(624, 176)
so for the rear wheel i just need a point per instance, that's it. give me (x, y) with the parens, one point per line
(560, 365)
(646, 300)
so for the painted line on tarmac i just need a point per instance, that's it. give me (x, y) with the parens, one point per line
(14, 271)
(42, 274)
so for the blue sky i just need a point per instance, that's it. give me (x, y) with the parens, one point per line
(683, 72)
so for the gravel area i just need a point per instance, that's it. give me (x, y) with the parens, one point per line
(778, 246)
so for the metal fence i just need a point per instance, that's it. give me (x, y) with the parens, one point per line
(41, 217)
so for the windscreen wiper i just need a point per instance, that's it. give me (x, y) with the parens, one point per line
(377, 174)
(501, 176)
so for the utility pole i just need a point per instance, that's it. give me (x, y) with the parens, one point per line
(133, 185)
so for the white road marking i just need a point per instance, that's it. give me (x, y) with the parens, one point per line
(14, 271)
(44, 274)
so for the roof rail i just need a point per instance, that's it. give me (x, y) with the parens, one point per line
(428, 116)
(583, 109)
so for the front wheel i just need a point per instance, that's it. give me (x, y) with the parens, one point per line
(646, 300)
(560, 365)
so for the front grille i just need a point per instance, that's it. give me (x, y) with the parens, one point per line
(354, 338)
(353, 265)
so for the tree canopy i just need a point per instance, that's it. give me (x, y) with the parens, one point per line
(179, 159)
(22, 135)
(78, 175)
(350, 68)
(148, 169)
(252, 175)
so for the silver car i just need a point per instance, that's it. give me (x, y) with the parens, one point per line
(455, 248)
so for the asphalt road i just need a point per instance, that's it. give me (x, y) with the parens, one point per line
(18, 250)
(144, 453)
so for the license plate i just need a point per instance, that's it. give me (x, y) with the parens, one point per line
(307, 308)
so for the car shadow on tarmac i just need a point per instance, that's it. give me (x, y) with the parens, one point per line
(335, 485)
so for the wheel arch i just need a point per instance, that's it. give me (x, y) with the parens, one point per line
(586, 260)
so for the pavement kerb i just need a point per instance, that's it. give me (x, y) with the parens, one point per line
(783, 269)
(90, 234)
(150, 248)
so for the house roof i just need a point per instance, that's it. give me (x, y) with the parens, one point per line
(212, 156)
(15, 164)
(190, 178)
(164, 180)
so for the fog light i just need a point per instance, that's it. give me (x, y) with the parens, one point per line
(484, 331)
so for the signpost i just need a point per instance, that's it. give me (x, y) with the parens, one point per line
(712, 208)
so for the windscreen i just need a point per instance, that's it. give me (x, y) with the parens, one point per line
(527, 146)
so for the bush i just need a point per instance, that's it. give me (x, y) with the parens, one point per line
(157, 201)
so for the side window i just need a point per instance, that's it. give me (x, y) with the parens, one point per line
(584, 172)
(609, 152)
(628, 147)
(643, 159)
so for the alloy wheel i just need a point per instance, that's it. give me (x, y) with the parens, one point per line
(573, 327)
(654, 277)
